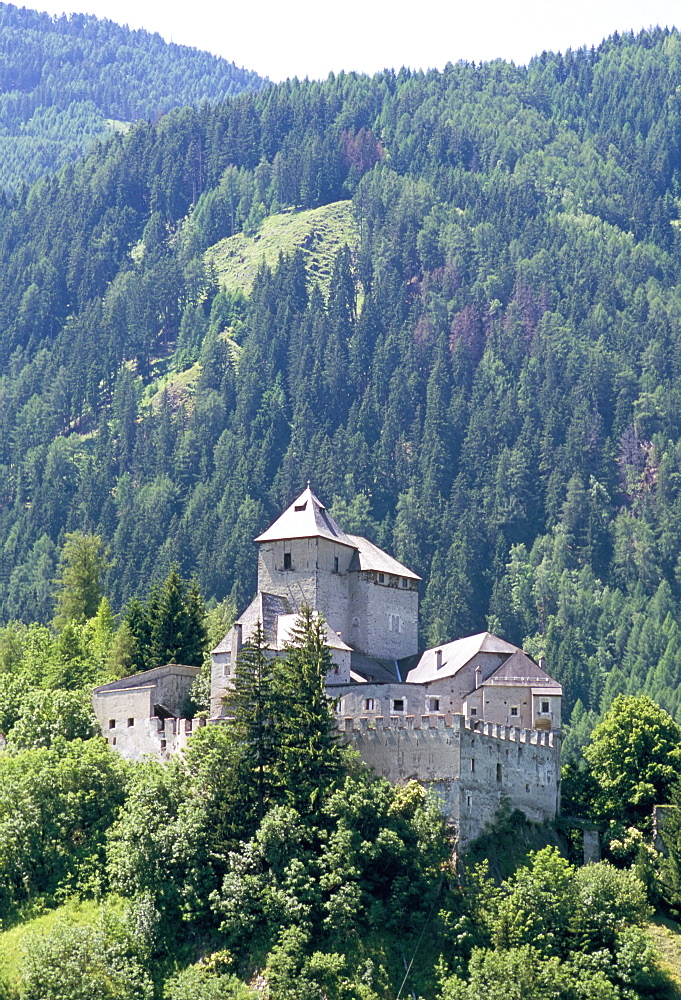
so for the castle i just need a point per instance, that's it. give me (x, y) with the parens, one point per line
(476, 718)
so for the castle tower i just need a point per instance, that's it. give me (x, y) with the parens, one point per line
(305, 557)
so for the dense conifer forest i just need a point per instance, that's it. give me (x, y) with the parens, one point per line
(473, 351)
(489, 389)
(66, 81)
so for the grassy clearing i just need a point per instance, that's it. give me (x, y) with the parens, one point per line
(665, 935)
(318, 232)
(179, 386)
(12, 940)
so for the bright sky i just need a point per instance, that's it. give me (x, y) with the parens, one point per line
(282, 38)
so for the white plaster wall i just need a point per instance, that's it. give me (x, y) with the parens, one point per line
(452, 690)
(554, 714)
(354, 700)
(498, 701)
(121, 705)
(153, 737)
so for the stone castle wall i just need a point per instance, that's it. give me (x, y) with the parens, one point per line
(160, 738)
(378, 618)
(471, 768)
(383, 616)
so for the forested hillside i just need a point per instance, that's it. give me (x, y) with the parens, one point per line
(490, 388)
(66, 81)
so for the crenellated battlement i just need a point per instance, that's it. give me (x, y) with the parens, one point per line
(471, 765)
(492, 730)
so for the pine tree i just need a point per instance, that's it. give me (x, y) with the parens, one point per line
(250, 706)
(79, 585)
(310, 758)
(178, 632)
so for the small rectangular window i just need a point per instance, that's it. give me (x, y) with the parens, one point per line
(498, 772)
(113, 742)
(381, 577)
(474, 711)
(472, 763)
(112, 723)
(335, 564)
(514, 709)
(405, 582)
(287, 560)
(368, 704)
(545, 707)
(131, 722)
(398, 705)
(434, 704)
(468, 801)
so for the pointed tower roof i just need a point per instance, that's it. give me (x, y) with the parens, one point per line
(307, 517)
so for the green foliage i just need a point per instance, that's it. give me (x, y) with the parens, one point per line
(56, 804)
(71, 962)
(83, 564)
(71, 80)
(309, 757)
(252, 710)
(169, 627)
(485, 384)
(633, 757)
(555, 930)
(198, 983)
(48, 718)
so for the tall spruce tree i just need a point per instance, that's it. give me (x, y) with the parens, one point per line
(79, 584)
(250, 706)
(310, 756)
(178, 633)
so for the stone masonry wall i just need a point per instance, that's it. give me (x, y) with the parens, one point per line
(471, 769)
(311, 579)
(383, 616)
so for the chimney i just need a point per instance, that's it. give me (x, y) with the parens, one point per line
(237, 642)
(438, 659)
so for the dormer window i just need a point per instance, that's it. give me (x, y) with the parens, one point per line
(287, 560)
(300, 507)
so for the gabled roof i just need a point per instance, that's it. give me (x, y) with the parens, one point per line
(519, 669)
(266, 609)
(307, 517)
(369, 557)
(148, 678)
(456, 655)
(286, 625)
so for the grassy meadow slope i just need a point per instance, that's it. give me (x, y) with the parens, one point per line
(318, 232)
